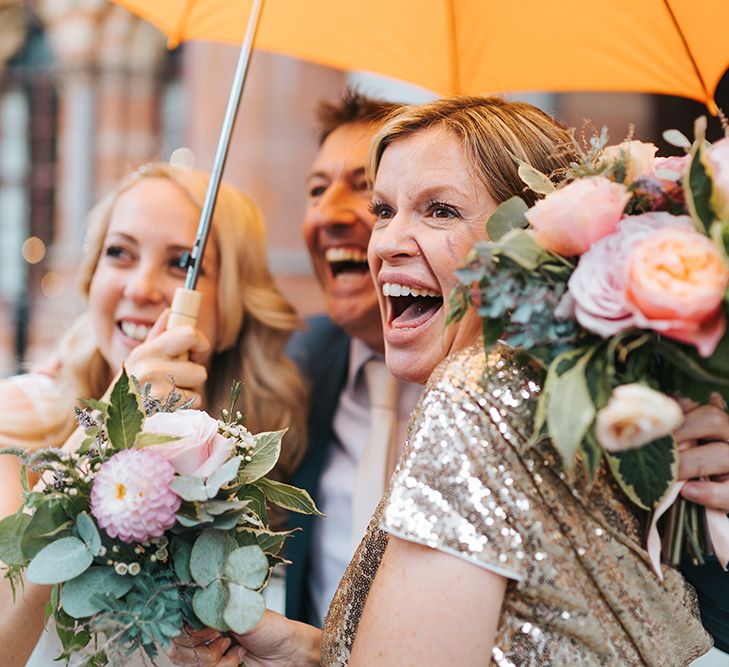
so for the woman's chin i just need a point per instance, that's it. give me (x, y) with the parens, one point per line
(408, 366)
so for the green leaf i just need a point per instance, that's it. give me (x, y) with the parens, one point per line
(535, 179)
(12, 529)
(591, 455)
(209, 554)
(570, 411)
(264, 455)
(698, 188)
(96, 405)
(247, 566)
(226, 473)
(189, 488)
(712, 371)
(244, 610)
(209, 604)
(48, 523)
(271, 542)
(125, 416)
(492, 330)
(181, 552)
(89, 533)
(646, 473)
(288, 497)
(145, 439)
(522, 249)
(85, 595)
(60, 561)
(507, 216)
(257, 501)
(676, 138)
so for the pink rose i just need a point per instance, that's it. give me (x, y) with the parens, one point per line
(718, 159)
(598, 284)
(569, 220)
(638, 156)
(674, 165)
(676, 281)
(200, 450)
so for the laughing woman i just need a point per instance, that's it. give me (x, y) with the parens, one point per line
(480, 552)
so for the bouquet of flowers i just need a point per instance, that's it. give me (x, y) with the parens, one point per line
(615, 282)
(157, 521)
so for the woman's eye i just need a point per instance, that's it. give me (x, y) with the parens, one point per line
(444, 211)
(380, 210)
(116, 252)
(180, 263)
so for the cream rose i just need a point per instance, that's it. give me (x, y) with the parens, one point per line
(718, 163)
(638, 156)
(634, 416)
(200, 450)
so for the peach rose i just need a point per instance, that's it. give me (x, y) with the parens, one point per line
(638, 155)
(200, 451)
(634, 416)
(569, 220)
(676, 281)
(718, 163)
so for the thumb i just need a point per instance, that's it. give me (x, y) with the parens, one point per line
(160, 325)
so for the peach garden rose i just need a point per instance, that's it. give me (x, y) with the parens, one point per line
(639, 158)
(569, 220)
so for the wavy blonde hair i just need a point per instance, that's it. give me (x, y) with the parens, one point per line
(255, 320)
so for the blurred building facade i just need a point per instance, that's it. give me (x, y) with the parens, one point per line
(88, 92)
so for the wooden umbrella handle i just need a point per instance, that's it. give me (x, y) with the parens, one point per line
(184, 310)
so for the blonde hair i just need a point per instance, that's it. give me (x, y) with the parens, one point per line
(492, 131)
(255, 321)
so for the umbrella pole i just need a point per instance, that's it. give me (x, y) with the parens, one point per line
(186, 302)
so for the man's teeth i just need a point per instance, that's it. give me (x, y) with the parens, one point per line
(135, 331)
(345, 255)
(395, 289)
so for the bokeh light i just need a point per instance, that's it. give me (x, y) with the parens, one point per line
(53, 285)
(34, 250)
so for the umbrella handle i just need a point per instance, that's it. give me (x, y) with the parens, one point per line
(184, 310)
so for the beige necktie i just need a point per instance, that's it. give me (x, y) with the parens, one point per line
(377, 460)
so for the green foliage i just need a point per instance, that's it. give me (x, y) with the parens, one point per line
(288, 497)
(209, 604)
(209, 554)
(124, 418)
(50, 521)
(534, 179)
(88, 593)
(646, 473)
(61, 560)
(244, 608)
(247, 566)
(264, 455)
(89, 533)
(507, 216)
(12, 529)
(697, 183)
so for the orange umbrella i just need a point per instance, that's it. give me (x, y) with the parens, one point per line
(676, 47)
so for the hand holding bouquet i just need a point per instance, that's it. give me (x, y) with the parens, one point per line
(616, 283)
(158, 521)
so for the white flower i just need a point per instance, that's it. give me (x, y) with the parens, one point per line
(634, 416)
(639, 158)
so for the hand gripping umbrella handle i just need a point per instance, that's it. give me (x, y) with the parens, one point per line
(184, 310)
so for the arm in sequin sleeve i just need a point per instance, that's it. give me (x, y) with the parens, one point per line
(461, 487)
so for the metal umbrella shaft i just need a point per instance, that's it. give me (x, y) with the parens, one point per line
(186, 303)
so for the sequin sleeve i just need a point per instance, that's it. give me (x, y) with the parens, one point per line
(461, 486)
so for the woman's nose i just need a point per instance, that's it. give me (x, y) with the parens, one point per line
(394, 239)
(144, 285)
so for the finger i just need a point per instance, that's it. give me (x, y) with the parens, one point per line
(706, 422)
(205, 634)
(198, 656)
(218, 647)
(231, 659)
(704, 461)
(714, 495)
(159, 325)
(718, 401)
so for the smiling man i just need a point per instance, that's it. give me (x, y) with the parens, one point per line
(333, 355)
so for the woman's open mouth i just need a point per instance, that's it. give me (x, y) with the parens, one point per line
(410, 307)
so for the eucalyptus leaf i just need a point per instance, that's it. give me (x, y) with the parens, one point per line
(49, 522)
(288, 497)
(12, 529)
(209, 554)
(85, 595)
(89, 533)
(507, 216)
(181, 552)
(646, 473)
(570, 412)
(147, 439)
(676, 138)
(535, 180)
(60, 561)
(124, 417)
(226, 473)
(265, 455)
(244, 610)
(247, 566)
(217, 507)
(228, 520)
(522, 249)
(209, 604)
(189, 488)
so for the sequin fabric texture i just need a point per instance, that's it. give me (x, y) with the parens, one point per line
(580, 590)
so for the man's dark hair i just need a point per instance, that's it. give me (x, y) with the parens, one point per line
(354, 107)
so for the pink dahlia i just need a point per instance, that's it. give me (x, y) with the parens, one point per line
(131, 496)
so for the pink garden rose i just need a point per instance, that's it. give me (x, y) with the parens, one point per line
(638, 155)
(200, 450)
(597, 287)
(569, 220)
(718, 159)
(676, 280)
(675, 165)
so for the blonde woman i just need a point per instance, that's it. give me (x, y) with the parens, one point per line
(133, 261)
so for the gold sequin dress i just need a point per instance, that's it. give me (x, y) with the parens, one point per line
(581, 590)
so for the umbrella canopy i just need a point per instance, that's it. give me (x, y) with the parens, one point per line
(676, 47)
